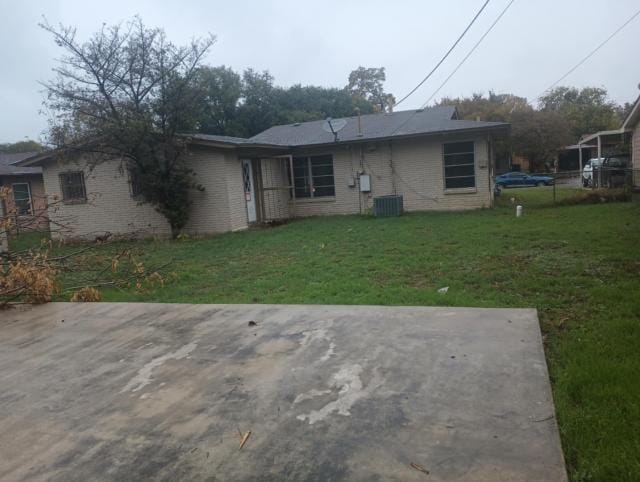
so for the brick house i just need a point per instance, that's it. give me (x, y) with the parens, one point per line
(432, 158)
(632, 123)
(26, 201)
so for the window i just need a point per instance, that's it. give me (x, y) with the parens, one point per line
(22, 197)
(135, 182)
(72, 185)
(459, 165)
(313, 176)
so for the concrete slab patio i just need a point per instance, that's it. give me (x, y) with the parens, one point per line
(111, 391)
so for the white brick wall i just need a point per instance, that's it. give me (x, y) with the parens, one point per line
(419, 176)
(109, 206)
(221, 207)
(235, 191)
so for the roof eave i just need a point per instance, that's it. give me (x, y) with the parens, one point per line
(500, 127)
(35, 160)
(232, 145)
(634, 115)
(595, 135)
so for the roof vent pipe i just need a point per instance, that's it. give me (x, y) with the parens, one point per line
(359, 122)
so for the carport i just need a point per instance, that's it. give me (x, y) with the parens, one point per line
(606, 143)
(274, 392)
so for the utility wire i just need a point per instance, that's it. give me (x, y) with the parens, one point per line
(456, 69)
(590, 54)
(445, 56)
(469, 54)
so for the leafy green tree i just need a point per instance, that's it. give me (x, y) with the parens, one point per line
(587, 110)
(222, 90)
(538, 135)
(367, 83)
(20, 146)
(301, 104)
(244, 106)
(129, 93)
(256, 112)
(493, 108)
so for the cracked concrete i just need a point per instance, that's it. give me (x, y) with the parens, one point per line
(116, 391)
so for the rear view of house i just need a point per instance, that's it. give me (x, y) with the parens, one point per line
(434, 160)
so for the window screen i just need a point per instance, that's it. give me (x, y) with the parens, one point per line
(135, 182)
(459, 165)
(313, 176)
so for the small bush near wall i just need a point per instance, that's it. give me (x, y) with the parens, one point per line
(598, 196)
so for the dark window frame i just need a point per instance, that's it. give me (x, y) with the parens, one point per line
(79, 195)
(462, 151)
(313, 186)
(135, 186)
(19, 211)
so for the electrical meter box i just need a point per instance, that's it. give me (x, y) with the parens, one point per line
(365, 183)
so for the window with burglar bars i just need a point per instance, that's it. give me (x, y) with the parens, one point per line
(313, 176)
(135, 183)
(22, 198)
(72, 185)
(459, 165)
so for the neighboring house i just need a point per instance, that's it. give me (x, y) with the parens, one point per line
(632, 124)
(27, 201)
(433, 159)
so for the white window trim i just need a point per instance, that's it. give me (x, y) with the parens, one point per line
(28, 184)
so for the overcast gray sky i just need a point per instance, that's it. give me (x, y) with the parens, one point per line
(320, 42)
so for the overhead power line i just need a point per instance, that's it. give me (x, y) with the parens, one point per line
(459, 65)
(473, 49)
(445, 55)
(590, 54)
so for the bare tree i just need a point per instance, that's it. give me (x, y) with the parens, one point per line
(129, 93)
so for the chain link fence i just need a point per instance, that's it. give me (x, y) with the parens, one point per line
(600, 185)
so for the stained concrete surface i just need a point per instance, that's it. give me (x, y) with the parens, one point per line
(110, 391)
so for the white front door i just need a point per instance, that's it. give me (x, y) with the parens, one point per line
(249, 191)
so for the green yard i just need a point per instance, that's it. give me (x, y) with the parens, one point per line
(578, 265)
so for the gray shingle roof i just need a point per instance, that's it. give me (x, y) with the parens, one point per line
(374, 126)
(222, 139)
(7, 167)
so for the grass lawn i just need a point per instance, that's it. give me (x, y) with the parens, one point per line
(578, 265)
